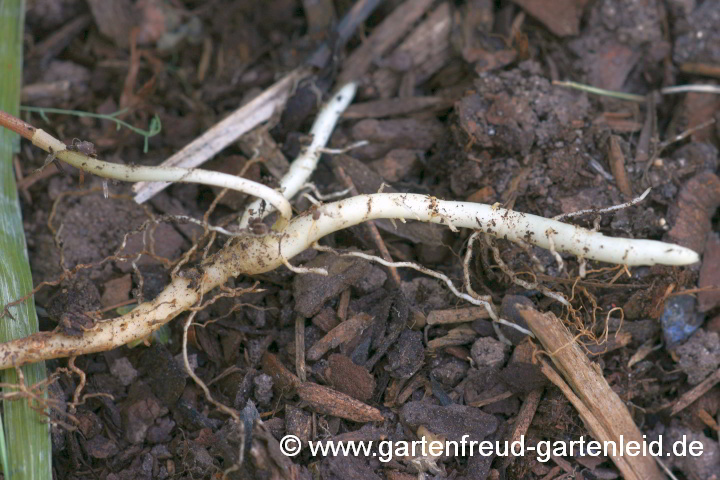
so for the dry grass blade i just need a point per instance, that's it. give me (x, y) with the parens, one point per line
(241, 121)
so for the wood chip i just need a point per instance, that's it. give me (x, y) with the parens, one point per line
(604, 413)
(325, 320)
(426, 50)
(331, 402)
(394, 107)
(524, 419)
(283, 379)
(697, 392)
(456, 336)
(344, 332)
(259, 142)
(458, 315)
(616, 159)
(347, 377)
(693, 211)
(300, 348)
(710, 275)
(114, 19)
(561, 17)
(387, 34)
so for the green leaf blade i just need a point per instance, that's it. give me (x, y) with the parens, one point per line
(27, 432)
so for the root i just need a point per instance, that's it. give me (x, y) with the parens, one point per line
(248, 255)
(621, 206)
(518, 281)
(304, 165)
(466, 269)
(234, 414)
(432, 273)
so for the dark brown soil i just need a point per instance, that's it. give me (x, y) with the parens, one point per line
(464, 110)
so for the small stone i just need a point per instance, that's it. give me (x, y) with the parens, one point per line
(160, 431)
(263, 384)
(140, 468)
(509, 308)
(161, 452)
(483, 195)
(116, 291)
(705, 466)
(397, 164)
(713, 325)
(679, 319)
(374, 279)
(197, 461)
(192, 360)
(452, 421)
(140, 412)
(162, 473)
(407, 355)
(123, 370)
(700, 355)
(298, 423)
(425, 293)
(488, 352)
(167, 379)
(89, 423)
(450, 372)
(101, 447)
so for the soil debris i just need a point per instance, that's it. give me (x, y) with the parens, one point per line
(700, 355)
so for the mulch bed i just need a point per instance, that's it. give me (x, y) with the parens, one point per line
(456, 101)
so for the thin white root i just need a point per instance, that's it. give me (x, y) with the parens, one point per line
(519, 281)
(340, 151)
(419, 268)
(499, 222)
(501, 336)
(326, 196)
(304, 270)
(691, 88)
(432, 273)
(258, 254)
(311, 199)
(208, 396)
(135, 173)
(632, 202)
(466, 268)
(551, 247)
(304, 165)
